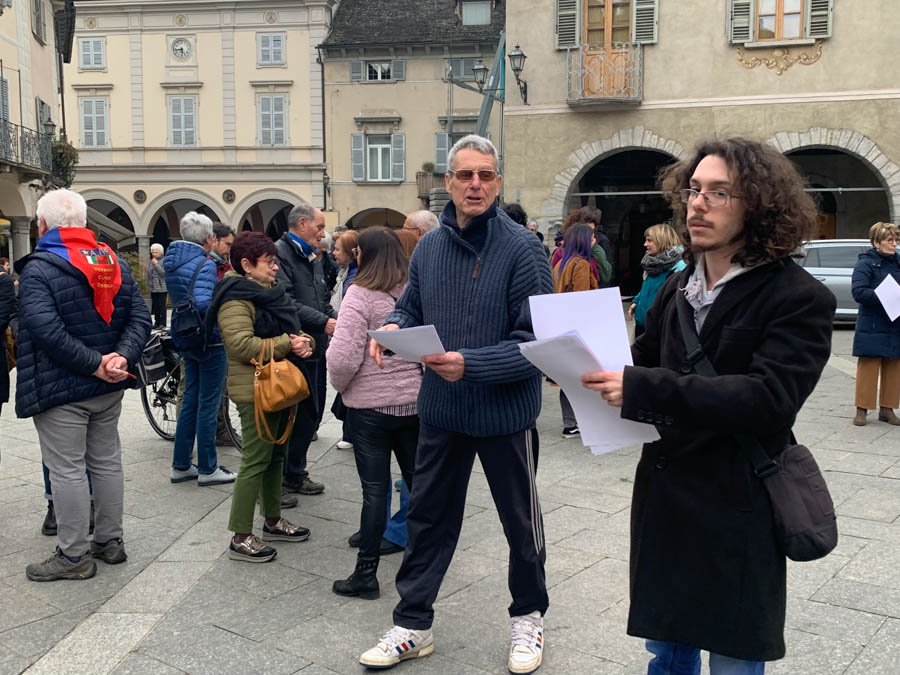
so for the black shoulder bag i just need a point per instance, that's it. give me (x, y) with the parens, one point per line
(187, 329)
(805, 523)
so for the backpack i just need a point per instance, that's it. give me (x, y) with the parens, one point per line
(187, 330)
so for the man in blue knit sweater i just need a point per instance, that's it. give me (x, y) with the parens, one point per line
(471, 278)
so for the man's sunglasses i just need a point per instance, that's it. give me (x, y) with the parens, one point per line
(465, 175)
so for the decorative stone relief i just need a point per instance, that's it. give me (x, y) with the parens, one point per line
(271, 17)
(140, 196)
(228, 196)
(90, 22)
(181, 20)
(780, 59)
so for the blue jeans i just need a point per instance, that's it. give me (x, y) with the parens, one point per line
(204, 382)
(675, 659)
(395, 532)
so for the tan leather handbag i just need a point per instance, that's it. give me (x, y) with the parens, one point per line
(276, 385)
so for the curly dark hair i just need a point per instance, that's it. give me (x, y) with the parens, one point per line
(586, 214)
(779, 216)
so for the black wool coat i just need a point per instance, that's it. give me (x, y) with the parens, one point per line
(706, 570)
(876, 336)
(7, 312)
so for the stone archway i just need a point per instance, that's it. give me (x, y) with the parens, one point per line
(583, 157)
(152, 211)
(853, 143)
(92, 194)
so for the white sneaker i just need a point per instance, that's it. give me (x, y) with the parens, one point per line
(397, 645)
(218, 477)
(344, 445)
(526, 650)
(181, 475)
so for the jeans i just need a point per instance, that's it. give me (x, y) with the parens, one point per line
(48, 492)
(568, 415)
(675, 659)
(260, 472)
(395, 532)
(204, 382)
(374, 436)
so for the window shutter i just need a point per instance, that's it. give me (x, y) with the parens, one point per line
(86, 54)
(740, 21)
(277, 49)
(278, 120)
(441, 148)
(398, 157)
(644, 21)
(265, 120)
(398, 70)
(177, 126)
(87, 122)
(4, 99)
(356, 71)
(265, 54)
(818, 18)
(100, 122)
(567, 23)
(99, 60)
(188, 116)
(358, 156)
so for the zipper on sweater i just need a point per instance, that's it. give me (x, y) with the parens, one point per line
(476, 268)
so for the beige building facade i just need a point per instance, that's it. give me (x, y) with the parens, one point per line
(389, 104)
(30, 45)
(623, 87)
(213, 107)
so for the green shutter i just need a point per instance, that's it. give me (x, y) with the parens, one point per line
(567, 12)
(644, 21)
(818, 18)
(398, 157)
(740, 21)
(358, 157)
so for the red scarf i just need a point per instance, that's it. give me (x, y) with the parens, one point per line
(98, 264)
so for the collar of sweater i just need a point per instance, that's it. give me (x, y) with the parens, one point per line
(476, 231)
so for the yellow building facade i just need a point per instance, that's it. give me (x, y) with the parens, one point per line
(620, 88)
(198, 106)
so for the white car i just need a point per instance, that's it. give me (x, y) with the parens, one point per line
(831, 261)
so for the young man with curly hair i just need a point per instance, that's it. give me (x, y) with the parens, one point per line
(706, 570)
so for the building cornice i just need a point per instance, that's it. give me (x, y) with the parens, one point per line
(98, 87)
(175, 84)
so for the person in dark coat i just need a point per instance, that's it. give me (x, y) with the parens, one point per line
(82, 326)
(876, 341)
(300, 272)
(7, 312)
(706, 569)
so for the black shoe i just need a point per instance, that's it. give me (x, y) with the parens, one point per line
(48, 529)
(354, 539)
(288, 501)
(303, 487)
(570, 432)
(363, 583)
(387, 547)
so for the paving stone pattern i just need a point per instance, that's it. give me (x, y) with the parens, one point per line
(179, 605)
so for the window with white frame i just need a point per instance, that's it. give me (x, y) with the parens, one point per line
(94, 122)
(183, 121)
(758, 23)
(37, 20)
(476, 13)
(462, 68)
(378, 157)
(270, 49)
(272, 113)
(376, 70)
(91, 53)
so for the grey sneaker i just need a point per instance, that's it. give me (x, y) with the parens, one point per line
(252, 549)
(397, 645)
(181, 475)
(58, 566)
(526, 649)
(112, 552)
(218, 477)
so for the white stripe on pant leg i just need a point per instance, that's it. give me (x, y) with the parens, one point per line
(536, 529)
(537, 500)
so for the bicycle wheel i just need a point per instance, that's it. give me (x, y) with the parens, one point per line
(232, 421)
(160, 404)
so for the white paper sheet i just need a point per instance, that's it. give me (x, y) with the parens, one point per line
(580, 333)
(888, 292)
(410, 344)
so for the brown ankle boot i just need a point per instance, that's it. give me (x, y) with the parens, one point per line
(887, 415)
(860, 419)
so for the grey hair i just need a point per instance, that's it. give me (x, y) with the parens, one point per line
(326, 242)
(62, 208)
(304, 210)
(196, 228)
(424, 220)
(477, 143)
(156, 247)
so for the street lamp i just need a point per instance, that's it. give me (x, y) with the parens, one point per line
(517, 63)
(480, 72)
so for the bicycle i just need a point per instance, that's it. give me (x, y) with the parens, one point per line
(160, 397)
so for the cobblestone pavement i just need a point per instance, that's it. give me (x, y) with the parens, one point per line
(179, 605)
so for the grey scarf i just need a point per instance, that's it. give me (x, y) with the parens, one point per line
(654, 265)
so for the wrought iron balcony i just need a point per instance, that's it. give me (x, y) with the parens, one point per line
(25, 148)
(599, 74)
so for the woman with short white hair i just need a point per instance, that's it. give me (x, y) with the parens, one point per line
(156, 284)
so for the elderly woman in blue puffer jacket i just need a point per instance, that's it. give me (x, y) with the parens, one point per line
(876, 342)
(204, 370)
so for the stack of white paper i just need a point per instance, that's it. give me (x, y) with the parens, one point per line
(410, 344)
(888, 292)
(579, 333)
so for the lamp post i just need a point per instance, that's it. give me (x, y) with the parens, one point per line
(480, 73)
(517, 63)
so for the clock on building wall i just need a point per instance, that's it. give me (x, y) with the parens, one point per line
(181, 49)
